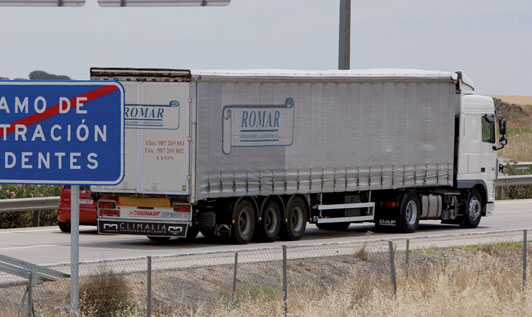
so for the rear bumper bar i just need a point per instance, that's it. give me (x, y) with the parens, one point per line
(146, 228)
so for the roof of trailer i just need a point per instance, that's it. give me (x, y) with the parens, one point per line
(279, 74)
(351, 73)
(377, 72)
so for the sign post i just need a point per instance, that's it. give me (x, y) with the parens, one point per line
(74, 251)
(62, 132)
(344, 44)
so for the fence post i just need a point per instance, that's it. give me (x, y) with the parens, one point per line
(406, 255)
(32, 282)
(36, 218)
(234, 279)
(148, 299)
(392, 267)
(499, 195)
(524, 260)
(285, 284)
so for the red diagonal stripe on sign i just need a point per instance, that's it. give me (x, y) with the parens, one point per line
(54, 110)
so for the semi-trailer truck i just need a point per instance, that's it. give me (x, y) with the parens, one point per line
(260, 153)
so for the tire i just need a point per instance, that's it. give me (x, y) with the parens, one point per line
(268, 229)
(338, 226)
(158, 239)
(244, 225)
(472, 210)
(192, 233)
(295, 223)
(409, 211)
(64, 226)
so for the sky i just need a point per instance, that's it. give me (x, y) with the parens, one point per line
(489, 40)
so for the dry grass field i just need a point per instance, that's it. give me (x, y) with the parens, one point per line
(478, 280)
(519, 147)
(518, 112)
(470, 281)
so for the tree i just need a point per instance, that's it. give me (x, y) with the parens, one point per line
(42, 75)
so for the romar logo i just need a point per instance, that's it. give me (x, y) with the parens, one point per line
(163, 117)
(258, 125)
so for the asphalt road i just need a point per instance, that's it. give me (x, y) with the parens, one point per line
(49, 245)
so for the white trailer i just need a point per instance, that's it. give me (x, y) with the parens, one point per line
(263, 152)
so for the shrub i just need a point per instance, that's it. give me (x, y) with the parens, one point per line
(105, 294)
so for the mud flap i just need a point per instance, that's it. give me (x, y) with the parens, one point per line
(387, 217)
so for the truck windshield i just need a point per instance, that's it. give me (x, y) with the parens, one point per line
(488, 129)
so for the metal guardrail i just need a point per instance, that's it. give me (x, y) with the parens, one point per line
(30, 204)
(25, 204)
(521, 166)
(513, 180)
(34, 273)
(23, 269)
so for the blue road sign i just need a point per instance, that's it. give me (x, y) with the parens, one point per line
(61, 132)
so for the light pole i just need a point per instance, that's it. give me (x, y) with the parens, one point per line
(344, 47)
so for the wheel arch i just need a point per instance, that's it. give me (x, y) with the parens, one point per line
(466, 186)
(484, 195)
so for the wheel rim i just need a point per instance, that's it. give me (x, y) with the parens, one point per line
(475, 207)
(297, 219)
(244, 223)
(411, 212)
(271, 220)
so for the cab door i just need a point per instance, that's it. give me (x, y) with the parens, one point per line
(488, 154)
(477, 158)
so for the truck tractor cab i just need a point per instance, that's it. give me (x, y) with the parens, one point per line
(477, 148)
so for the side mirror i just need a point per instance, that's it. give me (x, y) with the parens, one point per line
(502, 126)
(503, 140)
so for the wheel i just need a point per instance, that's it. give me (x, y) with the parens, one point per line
(409, 211)
(158, 239)
(192, 233)
(338, 226)
(472, 210)
(296, 220)
(269, 227)
(244, 222)
(64, 226)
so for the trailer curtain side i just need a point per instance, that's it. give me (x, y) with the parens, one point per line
(263, 137)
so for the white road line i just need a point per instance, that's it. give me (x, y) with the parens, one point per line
(30, 246)
(39, 229)
(28, 230)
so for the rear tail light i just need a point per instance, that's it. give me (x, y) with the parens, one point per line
(182, 208)
(392, 204)
(109, 212)
(106, 205)
(108, 208)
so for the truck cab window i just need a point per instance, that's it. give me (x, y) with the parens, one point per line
(488, 129)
